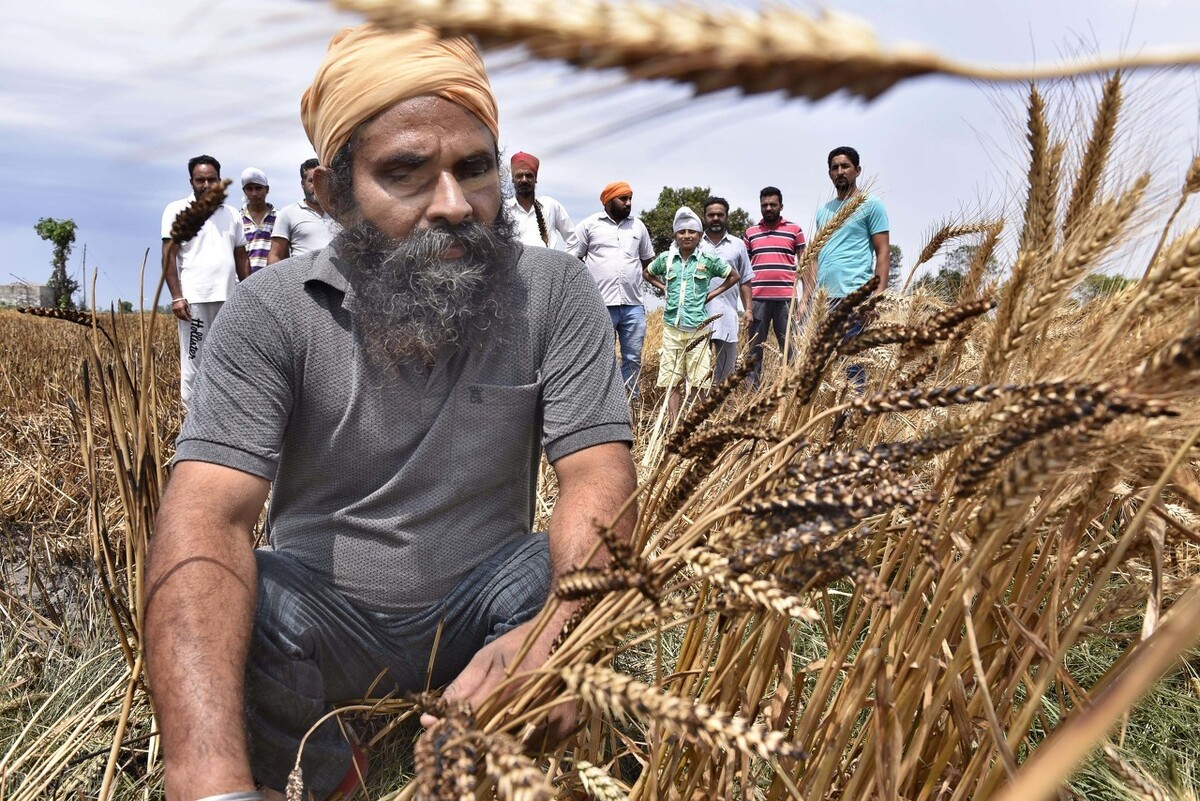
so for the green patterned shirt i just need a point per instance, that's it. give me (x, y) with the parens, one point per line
(687, 285)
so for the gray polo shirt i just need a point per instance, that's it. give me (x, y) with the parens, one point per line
(304, 228)
(392, 488)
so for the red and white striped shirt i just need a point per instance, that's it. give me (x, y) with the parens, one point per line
(773, 253)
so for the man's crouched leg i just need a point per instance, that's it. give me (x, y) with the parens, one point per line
(311, 650)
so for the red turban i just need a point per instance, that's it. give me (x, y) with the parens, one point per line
(525, 160)
(615, 189)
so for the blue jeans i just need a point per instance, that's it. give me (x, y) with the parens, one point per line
(630, 325)
(855, 372)
(311, 648)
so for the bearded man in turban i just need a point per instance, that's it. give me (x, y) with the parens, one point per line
(540, 220)
(394, 392)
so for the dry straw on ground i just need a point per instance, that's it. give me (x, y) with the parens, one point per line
(954, 584)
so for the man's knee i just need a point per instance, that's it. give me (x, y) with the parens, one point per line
(523, 586)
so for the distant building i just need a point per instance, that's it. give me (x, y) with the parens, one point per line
(26, 295)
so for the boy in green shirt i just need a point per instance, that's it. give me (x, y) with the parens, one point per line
(684, 274)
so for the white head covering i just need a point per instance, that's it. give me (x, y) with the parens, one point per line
(253, 175)
(686, 220)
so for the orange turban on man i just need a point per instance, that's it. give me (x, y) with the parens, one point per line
(615, 189)
(369, 69)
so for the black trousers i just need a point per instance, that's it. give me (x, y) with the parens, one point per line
(768, 314)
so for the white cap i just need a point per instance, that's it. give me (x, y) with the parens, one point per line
(686, 220)
(253, 175)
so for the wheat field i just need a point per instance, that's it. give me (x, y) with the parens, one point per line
(977, 578)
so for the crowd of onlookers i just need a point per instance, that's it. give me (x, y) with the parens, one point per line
(715, 284)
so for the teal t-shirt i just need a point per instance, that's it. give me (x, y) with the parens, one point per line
(847, 261)
(687, 285)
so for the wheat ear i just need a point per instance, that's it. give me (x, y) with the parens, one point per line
(602, 688)
(1095, 155)
(775, 49)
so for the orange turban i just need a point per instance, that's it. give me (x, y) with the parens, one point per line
(370, 69)
(524, 159)
(615, 189)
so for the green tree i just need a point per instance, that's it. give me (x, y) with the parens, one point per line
(948, 280)
(1099, 285)
(60, 233)
(660, 219)
(125, 306)
(895, 259)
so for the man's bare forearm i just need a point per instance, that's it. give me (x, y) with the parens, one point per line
(589, 494)
(241, 263)
(171, 268)
(201, 589)
(880, 244)
(592, 490)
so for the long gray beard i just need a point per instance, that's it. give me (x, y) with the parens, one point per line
(412, 304)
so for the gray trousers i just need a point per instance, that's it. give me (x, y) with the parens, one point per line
(312, 649)
(191, 344)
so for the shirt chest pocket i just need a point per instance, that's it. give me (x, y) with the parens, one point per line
(495, 436)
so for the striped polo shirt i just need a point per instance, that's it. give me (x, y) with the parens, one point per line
(258, 237)
(773, 254)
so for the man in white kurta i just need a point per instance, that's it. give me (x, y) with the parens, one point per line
(202, 272)
(541, 220)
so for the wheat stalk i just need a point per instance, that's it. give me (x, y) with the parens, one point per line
(604, 689)
(191, 219)
(1095, 155)
(775, 49)
(939, 237)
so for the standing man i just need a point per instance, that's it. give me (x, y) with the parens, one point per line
(858, 249)
(258, 217)
(303, 226)
(686, 275)
(616, 248)
(775, 246)
(732, 251)
(202, 272)
(393, 394)
(541, 221)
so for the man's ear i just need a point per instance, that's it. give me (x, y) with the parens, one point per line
(323, 183)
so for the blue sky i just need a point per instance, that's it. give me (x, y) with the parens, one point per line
(102, 105)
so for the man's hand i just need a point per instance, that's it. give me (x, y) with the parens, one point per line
(747, 318)
(593, 484)
(488, 668)
(182, 309)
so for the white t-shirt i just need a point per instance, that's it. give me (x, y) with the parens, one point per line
(304, 228)
(207, 271)
(732, 251)
(558, 224)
